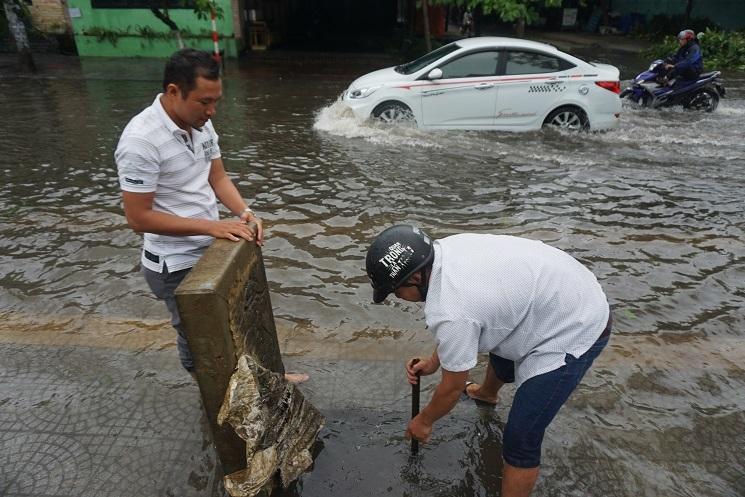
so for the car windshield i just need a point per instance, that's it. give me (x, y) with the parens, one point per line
(425, 60)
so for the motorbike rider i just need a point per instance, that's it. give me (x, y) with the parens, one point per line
(688, 62)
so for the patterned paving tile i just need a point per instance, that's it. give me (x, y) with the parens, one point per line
(79, 421)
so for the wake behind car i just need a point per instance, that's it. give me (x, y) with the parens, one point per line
(491, 83)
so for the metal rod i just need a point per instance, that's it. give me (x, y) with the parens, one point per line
(414, 409)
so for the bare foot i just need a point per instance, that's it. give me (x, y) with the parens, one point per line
(289, 377)
(296, 377)
(473, 390)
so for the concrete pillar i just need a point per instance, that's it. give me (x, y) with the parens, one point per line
(238, 9)
(225, 307)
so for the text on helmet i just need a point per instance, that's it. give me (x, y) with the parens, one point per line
(396, 258)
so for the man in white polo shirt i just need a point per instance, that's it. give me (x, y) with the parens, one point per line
(171, 176)
(540, 314)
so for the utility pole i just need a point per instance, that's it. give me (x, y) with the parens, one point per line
(425, 16)
(689, 9)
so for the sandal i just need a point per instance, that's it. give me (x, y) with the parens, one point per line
(479, 402)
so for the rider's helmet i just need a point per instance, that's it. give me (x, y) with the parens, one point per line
(394, 256)
(687, 35)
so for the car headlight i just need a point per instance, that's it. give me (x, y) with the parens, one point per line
(362, 92)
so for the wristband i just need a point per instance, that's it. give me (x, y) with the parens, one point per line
(248, 210)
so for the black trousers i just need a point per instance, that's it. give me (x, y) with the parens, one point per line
(687, 74)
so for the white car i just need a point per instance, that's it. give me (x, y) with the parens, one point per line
(491, 83)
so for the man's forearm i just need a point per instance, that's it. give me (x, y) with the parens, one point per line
(442, 402)
(445, 396)
(162, 223)
(229, 195)
(435, 359)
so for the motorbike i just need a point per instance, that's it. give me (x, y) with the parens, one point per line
(651, 89)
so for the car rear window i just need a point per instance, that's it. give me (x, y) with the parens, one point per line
(523, 62)
(472, 65)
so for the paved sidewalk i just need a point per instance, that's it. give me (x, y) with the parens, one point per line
(85, 421)
(96, 406)
(570, 40)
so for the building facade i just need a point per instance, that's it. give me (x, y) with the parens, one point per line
(729, 14)
(128, 28)
(50, 16)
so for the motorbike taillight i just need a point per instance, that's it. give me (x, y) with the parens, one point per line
(614, 86)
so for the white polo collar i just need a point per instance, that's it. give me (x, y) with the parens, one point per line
(167, 121)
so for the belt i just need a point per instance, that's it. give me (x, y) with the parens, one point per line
(606, 331)
(152, 257)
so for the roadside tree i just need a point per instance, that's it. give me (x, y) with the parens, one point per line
(521, 12)
(202, 8)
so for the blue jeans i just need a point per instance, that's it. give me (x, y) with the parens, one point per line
(164, 286)
(538, 400)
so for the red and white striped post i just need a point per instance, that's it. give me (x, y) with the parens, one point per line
(213, 16)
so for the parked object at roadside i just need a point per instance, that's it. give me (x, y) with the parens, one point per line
(651, 88)
(491, 83)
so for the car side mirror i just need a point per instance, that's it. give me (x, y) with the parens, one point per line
(435, 73)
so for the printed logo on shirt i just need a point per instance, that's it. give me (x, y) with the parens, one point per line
(209, 148)
(397, 257)
(133, 181)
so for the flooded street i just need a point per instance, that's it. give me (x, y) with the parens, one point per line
(655, 209)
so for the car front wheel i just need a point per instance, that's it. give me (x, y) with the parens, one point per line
(393, 113)
(570, 118)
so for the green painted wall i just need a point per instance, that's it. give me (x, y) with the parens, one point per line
(730, 14)
(135, 45)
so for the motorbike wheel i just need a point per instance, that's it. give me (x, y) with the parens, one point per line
(705, 99)
(645, 100)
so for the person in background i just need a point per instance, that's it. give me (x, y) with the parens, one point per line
(687, 63)
(466, 27)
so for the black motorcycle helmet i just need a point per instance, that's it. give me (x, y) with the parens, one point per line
(394, 256)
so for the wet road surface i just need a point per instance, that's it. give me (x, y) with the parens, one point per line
(655, 209)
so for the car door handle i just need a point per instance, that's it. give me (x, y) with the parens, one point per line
(484, 86)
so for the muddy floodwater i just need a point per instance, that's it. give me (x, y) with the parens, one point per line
(656, 209)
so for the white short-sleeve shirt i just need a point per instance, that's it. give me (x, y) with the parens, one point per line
(155, 155)
(517, 298)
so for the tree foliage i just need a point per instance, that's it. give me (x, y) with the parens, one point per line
(202, 8)
(507, 10)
